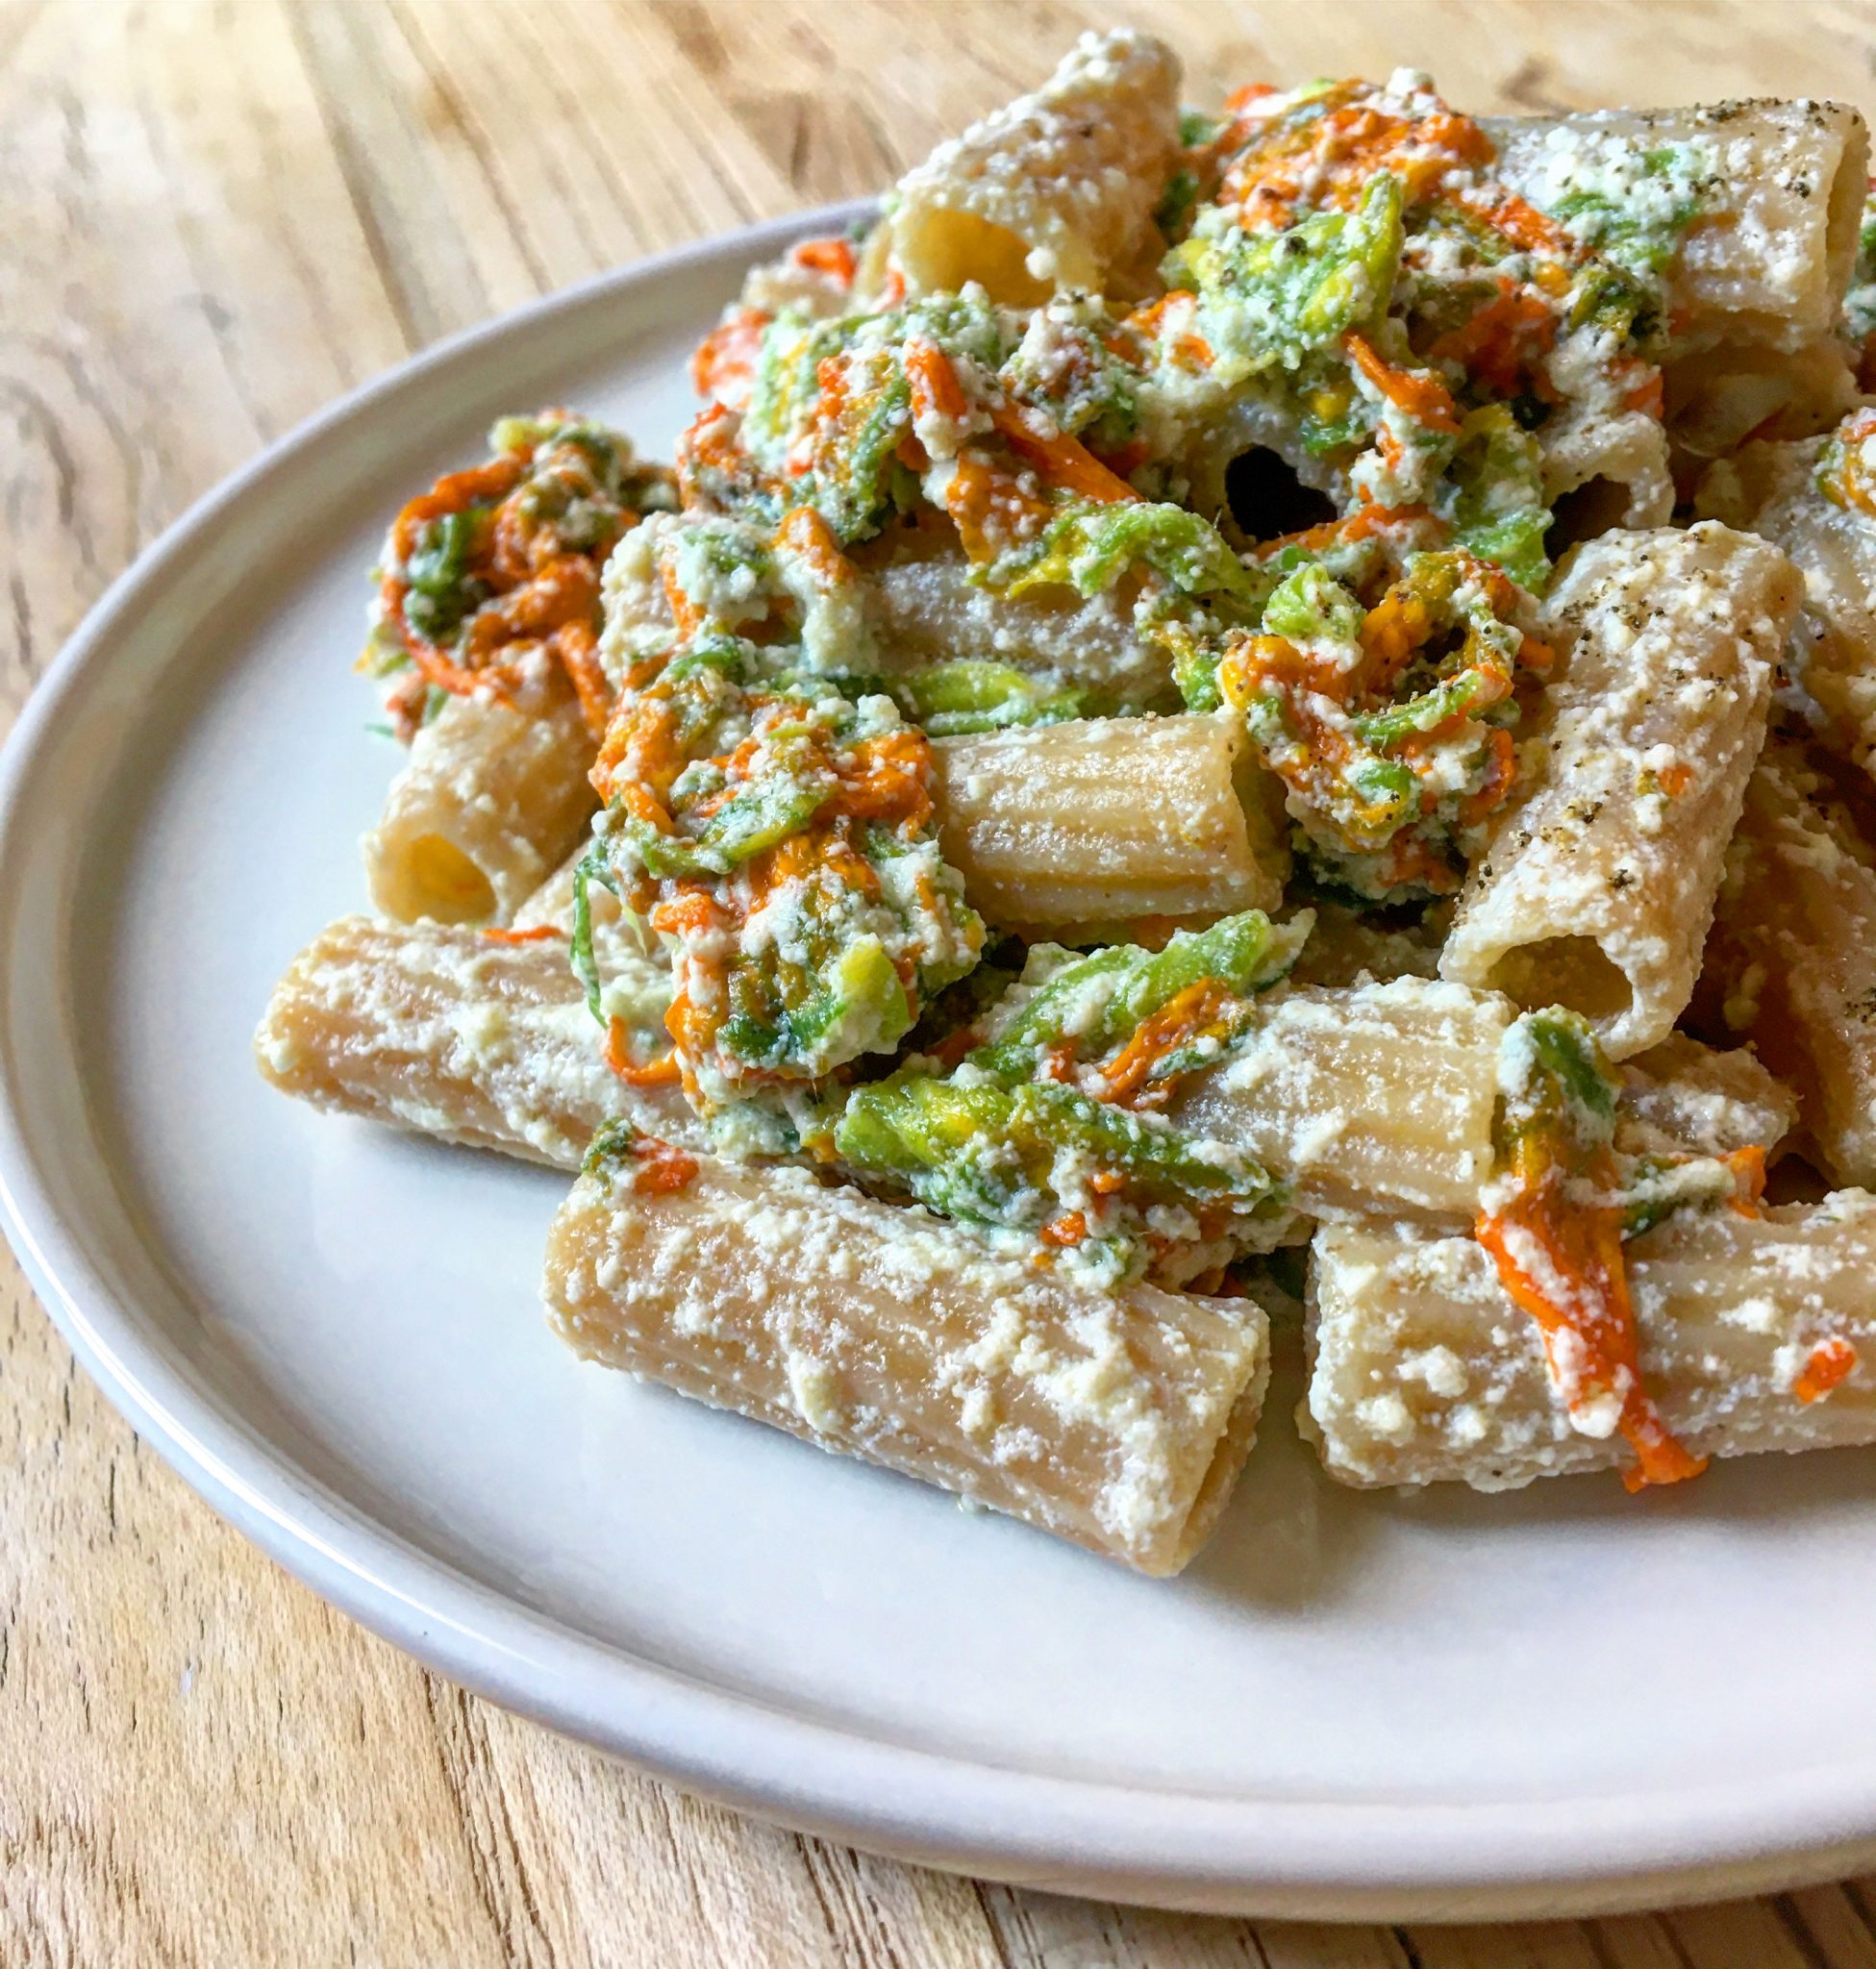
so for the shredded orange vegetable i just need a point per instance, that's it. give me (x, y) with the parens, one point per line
(1561, 1260)
(1830, 1362)
(1392, 631)
(1647, 393)
(1070, 1228)
(833, 256)
(1502, 344)
(1676, 778)
(1056, 457)
(1748, 1169)
(539, 933)
(1332, 157)
(455, 492)
(1524, 225)
(649, 1073)
(1243, 97)
(1359, 526)
(1058, 1061)
(950, 1051)
(708, 443)
(689, 913)
(542, 597)
(1182, 1019)
(984, 500)
(724, 364)
(663, 1169)
(882, 779)
(934, 386)
(1419, 393)
(1064, 460)
(578, 650)
(1188, 348)
(432, 665)
(1252, 663)
(810, 536)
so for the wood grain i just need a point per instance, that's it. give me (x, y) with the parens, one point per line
(221, 214)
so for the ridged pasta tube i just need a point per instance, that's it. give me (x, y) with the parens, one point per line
(1375, 1096)
(442, 1031)
(1772, 489)
(1422, 1370)
(1758, 202)
(873, 1331)
(1716, 401)
(490, 799)
(1379, 1098)
(927, 610)
(1681, 1098)
(1101, 822)
(1597, 887)
(1789, 963)
(1056, 190)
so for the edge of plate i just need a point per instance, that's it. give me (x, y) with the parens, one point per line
(1274, 1858)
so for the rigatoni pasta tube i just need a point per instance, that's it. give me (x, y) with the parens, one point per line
(1597, 887)
(1376, 1096)
(1106, 820)
(1057, 191)
(927, 610)
(1773, 490)
(1792, 962)
(1681, 1098)
(1755, 1334)
(873, 1331)
(442, 1031)
(1759, 204)
(1714, 401)
(490, 799)
(1379, 1098)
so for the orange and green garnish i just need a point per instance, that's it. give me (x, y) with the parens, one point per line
(1556, 1217)
(1043, 1128)
(1553, 1225)
(496, 568)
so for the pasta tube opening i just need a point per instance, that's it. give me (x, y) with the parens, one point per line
(1574, 972)
(490, 799)
(1586, 511)
(434, 878)
(1055, 191)
(948, 250)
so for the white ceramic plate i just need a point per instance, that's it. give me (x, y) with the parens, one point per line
(1352, 1705)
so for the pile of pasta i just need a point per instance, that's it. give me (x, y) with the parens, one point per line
(1222, 718)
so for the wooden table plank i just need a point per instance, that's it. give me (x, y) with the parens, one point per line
(221, 214)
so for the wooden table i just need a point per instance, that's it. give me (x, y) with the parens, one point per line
(218, 214)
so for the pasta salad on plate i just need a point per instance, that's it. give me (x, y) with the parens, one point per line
(1223, 722)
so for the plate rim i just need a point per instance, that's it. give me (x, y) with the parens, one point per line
(1280, 1856)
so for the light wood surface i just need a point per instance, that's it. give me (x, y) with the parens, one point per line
(218, 214)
